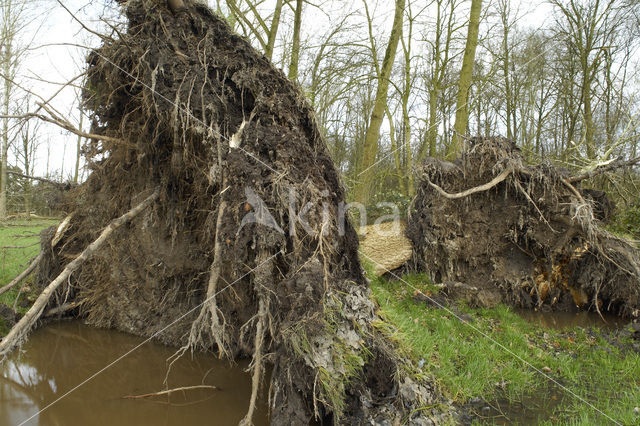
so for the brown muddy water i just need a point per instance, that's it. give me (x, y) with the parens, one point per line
(568, 320)
(62, 355)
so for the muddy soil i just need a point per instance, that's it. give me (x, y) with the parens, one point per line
(520, 234)
(7, 316)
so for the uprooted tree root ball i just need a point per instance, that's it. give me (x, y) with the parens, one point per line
(525, 235)
(214, 145)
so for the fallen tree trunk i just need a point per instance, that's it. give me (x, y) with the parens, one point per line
(21, 329)
(617, 164)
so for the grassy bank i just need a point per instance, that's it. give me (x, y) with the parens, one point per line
(481, 364)
(19, 244)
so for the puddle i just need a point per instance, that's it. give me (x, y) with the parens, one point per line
(532, 409)
(62, 355)
(568, 320)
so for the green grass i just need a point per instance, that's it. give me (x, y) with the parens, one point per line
(468, 361)
(19, 244)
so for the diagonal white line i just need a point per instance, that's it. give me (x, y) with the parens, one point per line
(147, 340)
(494, 341)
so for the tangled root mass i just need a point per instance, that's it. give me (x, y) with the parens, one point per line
(531, 238)
(189, 107)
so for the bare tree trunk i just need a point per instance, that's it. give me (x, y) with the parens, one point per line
(363, 188)
(6, 68)
(295, 48)
(273, 31)
(589, 130)
(466, 73)
(406, 119)
(78, 147)
(28, 172)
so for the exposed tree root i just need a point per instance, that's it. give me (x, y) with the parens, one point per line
(487, 186)
(533, 238)
(244, 242)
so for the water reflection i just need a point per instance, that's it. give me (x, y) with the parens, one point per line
(60, 356)
(566, 320)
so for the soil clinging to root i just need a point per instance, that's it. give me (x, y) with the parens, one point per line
(190, 109)
(525, 235)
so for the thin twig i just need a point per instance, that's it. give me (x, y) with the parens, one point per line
(170, 391)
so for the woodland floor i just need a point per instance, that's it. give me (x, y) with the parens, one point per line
(488, 383)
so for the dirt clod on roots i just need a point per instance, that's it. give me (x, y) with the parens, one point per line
(190, 108)
(531, 238)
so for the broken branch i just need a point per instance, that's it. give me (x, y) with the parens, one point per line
(63, 124)
(20, 330)
(603, 169)
(40, 179)
(170, 391)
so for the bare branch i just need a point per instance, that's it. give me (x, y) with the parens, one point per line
(24, 274)
(54, 183)
(603, 169)
(170, 391)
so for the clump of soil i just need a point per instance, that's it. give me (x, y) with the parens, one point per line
(7, 318)
(220, 260)
(525, 235)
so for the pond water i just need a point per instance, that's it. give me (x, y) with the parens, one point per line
(62, 355)
(567, 320)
